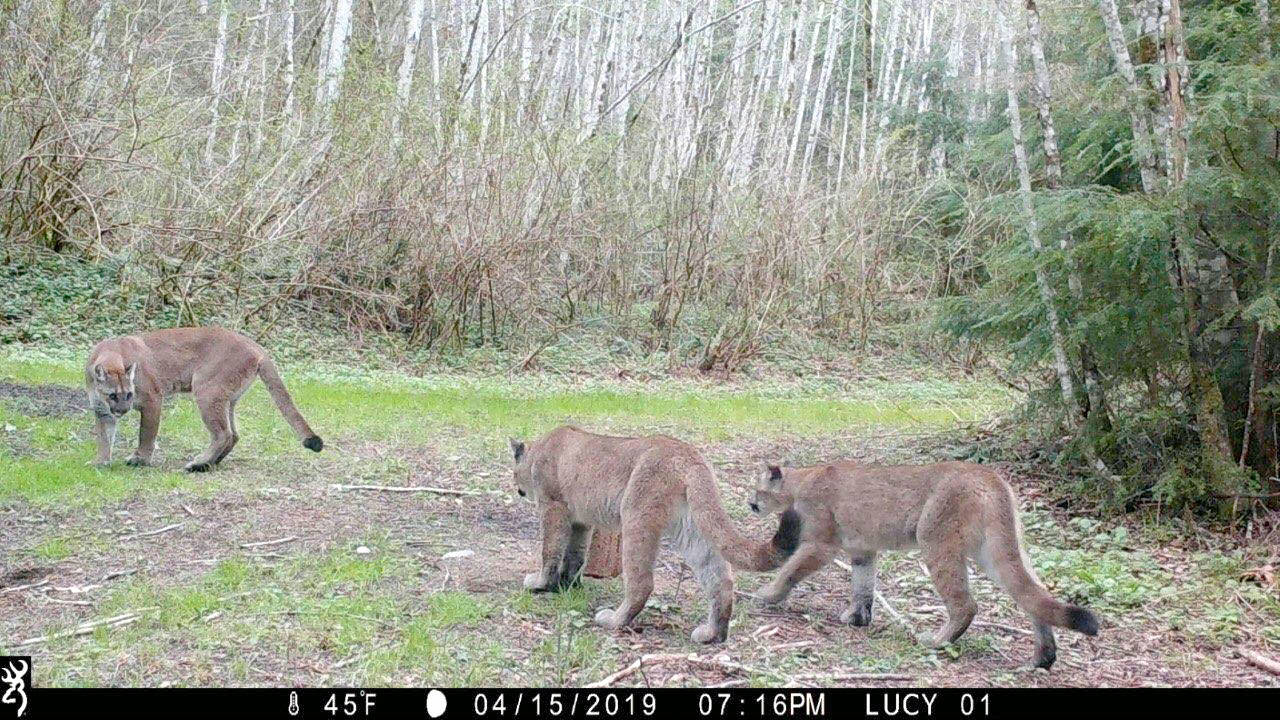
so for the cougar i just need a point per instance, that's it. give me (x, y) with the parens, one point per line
(646, 487)
(215, 365)
(951, 511)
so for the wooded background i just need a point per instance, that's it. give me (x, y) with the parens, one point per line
(1085, 191)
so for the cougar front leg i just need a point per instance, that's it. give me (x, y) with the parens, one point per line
(809, 557)
(104, 430)
(147, 428)
(863, 588)
(556, 535)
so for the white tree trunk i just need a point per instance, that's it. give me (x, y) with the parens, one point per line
(290, 68)
(219, 60)
(1047, 294)
(336, 63)
(869, 82)
(404, 76)
(820, 95)
(1138, 115)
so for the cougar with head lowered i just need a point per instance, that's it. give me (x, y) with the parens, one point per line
(951, 511)
(644, 487)
(215, 365)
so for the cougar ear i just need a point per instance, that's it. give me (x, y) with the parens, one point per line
(517, 448)
(99, 374)
(129, 371)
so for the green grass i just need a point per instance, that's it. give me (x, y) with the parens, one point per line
(44, 460)
(336, 616)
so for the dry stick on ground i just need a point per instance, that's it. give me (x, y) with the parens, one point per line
(657, 658)
(268, 543)
(24, 587)
(411, 488)
(86, 628)
(149, 533)
(118, 573)
(1259, 661)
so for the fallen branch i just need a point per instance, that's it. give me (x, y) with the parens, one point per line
(86, 628)
(1259, 661)
(24, 587)
(118, 573)
(149, 533)
(268, 543)
(405, 489)
(659, 658)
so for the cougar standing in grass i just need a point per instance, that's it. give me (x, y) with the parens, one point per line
(646, 487)
(951, 511)
(215, 365)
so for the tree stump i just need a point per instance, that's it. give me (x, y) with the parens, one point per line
(604, 557)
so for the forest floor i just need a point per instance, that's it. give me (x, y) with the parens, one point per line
(264, 573)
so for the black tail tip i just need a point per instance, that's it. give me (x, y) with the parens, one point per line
(1082, 620)
(313, 443)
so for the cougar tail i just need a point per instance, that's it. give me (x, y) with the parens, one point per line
(271, 378)
(1007, 562)
(714, 523)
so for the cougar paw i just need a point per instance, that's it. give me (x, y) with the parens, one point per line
(769, 595)
(934, 641)
(137, 461)
(707, 633)
(607, 618)
(198, 467)
(533, 581)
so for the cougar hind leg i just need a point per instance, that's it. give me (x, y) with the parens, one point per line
(950, 576)
(213, 411)
(639, 549)
(714, 575)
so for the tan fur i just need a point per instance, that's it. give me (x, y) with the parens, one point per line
(951, 511)
(215, 365)
(644, 487)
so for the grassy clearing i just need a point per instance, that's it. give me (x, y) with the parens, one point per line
(46, 457)
(317, 610)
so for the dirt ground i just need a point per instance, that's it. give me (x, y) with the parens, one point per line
(481, 543)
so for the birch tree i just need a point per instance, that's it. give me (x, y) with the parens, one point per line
(1048, 296)
(335, 60)
(219, 61)
(404, 80)
(1042, 96)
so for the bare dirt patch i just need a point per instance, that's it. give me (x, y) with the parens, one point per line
(43, 400)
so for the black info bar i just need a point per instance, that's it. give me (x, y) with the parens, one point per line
(739, 702)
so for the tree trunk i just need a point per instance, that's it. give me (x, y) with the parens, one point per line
(219, 60)
(1042, 96)
(1047, 294)
(1139, 116)
(1206, 394)
(404, 80)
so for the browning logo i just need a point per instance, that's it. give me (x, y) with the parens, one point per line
(15, 680)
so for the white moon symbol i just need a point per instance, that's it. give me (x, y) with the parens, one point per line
(436, 703)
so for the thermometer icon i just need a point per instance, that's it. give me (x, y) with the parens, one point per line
(293, 703)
